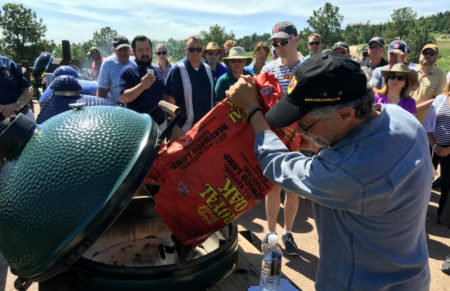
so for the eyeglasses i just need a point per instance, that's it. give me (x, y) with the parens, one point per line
(211, 53)
(398, 77)
(284, 42)
(194, 49)
(161, 53)
(314, 43)
(428, 53)
(305, 129)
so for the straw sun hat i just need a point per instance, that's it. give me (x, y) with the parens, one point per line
(235, 53)
(213, 46)
(401, 68)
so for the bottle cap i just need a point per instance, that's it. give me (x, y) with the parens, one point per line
(272, 239)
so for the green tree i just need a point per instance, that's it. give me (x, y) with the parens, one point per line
(416, 39)
(327, 22)
(103, 40)
(216, 33)
(22, 33)
(403, 20)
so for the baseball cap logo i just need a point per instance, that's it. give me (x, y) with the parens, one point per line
(396, 46)
(277, 28)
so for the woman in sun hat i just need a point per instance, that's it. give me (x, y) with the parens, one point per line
(398, 83)
(236, 61)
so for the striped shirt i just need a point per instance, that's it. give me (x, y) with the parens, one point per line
(442, 131)
(282, 72)
(438, 120)
(110, 76)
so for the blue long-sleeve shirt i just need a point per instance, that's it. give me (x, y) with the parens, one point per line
(370, 193)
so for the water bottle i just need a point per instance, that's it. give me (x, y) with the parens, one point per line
(271, 265)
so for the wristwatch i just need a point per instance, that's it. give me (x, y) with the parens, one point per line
(19, 103)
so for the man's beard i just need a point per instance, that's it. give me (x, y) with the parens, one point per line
(425, 62)
(142, 63)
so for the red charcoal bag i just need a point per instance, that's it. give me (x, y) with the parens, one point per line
(210, 176)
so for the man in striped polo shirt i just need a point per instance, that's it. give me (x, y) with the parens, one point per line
(108, 80)
(284, 40)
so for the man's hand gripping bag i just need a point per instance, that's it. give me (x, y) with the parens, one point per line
(210, 176)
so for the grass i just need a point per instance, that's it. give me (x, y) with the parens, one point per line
(443, 62)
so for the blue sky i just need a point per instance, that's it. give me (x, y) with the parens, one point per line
(162, 19)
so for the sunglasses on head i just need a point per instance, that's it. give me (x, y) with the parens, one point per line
(161, 53)
(211, 53)
(194, 49)
(429, 53)
(398, 77)
(284, 42)
(314, 43)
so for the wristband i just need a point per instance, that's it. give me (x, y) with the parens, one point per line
(251, 113)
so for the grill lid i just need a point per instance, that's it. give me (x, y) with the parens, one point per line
(74, 176)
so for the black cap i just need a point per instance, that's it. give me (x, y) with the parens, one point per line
(365, 49)
(378, 40)
(340, 44)
(283, 30)
(120, 41)
(323, 80)
(399, 45)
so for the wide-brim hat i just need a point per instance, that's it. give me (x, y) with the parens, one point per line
(401, 68)
(213, 46)
(237, 53)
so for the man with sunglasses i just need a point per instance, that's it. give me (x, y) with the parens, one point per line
(284, 40)
(212, 54)
(190, 84)
(432, 80)
(369, 184)
(314, 45)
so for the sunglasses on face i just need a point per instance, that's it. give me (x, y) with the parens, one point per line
(236, 61)
(398, 77)
(428, 53)
(195, 49)
(314, 43)
(161, 53)
(374, 47)
(210, 53)
(284, 42)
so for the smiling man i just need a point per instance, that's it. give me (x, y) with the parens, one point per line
(369, 184)
(432, 80)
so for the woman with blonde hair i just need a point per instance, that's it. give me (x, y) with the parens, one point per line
(163, 63)
(398, 83)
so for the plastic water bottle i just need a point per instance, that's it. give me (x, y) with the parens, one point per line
(271, 265)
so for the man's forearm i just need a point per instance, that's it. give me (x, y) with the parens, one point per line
(26, 95)
(425, 105)
(129, 95)
(102, 92)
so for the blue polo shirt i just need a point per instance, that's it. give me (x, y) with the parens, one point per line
(201, 89)
(148, 100)
(12, 81)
